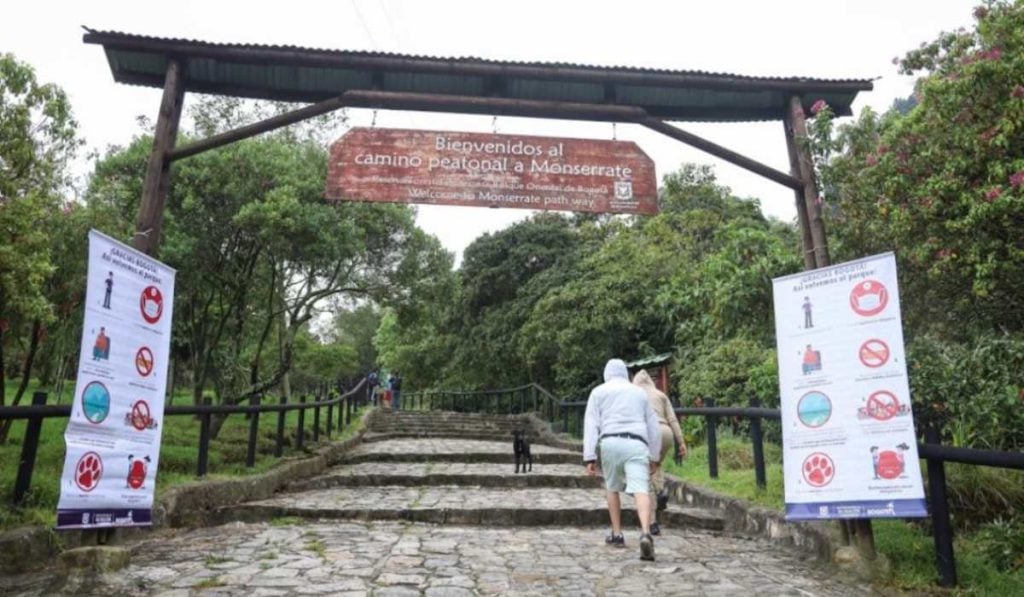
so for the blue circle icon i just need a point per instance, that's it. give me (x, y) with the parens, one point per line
(814, 409)
(96, 402)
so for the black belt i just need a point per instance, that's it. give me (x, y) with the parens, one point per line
(625, 435)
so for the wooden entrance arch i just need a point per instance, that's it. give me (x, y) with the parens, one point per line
(330, 79)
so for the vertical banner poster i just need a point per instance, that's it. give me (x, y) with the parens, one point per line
(113, 435)
(849, 447)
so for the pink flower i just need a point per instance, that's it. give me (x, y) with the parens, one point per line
(987, 135)
(882, 150)
(871, 160)
(942, 253)
(994, 54)
(1018, 91)
(980, 12)
(818, 106)
(1017, 179)
(993, 194)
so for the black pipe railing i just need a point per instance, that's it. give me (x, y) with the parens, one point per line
(39, 410)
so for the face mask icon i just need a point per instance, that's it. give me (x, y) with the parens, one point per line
(868, 301)
(869, 298)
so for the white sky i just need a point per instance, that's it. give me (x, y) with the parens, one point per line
(825, 39)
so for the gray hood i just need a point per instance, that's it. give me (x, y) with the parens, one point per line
(616, 369)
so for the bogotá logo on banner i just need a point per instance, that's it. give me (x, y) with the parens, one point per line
(95, 402)
(869, 298)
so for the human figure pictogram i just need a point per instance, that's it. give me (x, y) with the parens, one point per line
(101, 349)
(110, 290)
(812, 360)
(808, 319)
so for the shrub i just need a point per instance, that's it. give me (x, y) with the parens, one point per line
(978, 494)
(974, 390)
(1002, 542)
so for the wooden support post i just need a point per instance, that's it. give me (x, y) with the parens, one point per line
(721, 152)
(29, 448)
(801, 207)
(796, 121)
(149, 223)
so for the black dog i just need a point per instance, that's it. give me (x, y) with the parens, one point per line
(521, 448)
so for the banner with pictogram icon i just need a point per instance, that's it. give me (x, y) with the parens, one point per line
(113, 434)
(849, 447)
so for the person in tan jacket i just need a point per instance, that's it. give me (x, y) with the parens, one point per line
(668, 426)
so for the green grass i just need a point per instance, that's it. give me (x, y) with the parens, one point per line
(209, 583)
(178, 456)
(910, 549)
(286, 521)
(735, 471)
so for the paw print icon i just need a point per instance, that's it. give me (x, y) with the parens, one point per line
(88, 471)
(818, 469)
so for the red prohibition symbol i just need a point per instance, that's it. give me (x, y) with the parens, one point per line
(141, 417)
(874, 353)
(88, 471)
(144, 361)
(151, 304)
(868, 298)
(883, 405)
(818, 469)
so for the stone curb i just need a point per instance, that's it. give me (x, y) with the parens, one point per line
(595, 517)
(520, 481)
(466, 457)
(818, 538)
(26, 548)
(380, 436)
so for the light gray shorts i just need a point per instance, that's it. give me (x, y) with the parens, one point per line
(624, 464)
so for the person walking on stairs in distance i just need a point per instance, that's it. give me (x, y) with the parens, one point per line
(620, 418)
(668, 426)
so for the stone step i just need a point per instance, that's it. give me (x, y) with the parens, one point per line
(376, 435)
(476, 429)
(408, 416)
(453, 450)
(446, 424)
(450, 474)
(461, 506)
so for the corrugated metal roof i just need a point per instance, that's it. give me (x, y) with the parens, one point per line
(657, 359)
(292, 73)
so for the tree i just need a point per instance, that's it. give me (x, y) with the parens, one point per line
(943, 184)
(38, 137)
(260, 255)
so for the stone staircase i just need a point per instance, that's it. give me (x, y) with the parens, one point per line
(425, 424)
(455, 468)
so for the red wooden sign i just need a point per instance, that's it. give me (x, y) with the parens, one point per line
(446, 168)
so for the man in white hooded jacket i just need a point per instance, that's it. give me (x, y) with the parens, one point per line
(620, 418)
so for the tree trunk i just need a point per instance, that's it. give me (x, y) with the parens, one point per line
(26, 374)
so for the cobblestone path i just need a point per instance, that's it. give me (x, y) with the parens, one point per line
(296, 557)
(449, 517)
